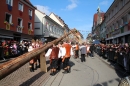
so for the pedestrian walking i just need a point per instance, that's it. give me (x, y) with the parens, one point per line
(91, 49)
(83, 52)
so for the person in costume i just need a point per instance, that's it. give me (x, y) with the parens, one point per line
(53, 54)
(60, 55)
(66, 57)
(77, 50)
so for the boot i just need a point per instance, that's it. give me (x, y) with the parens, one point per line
(65, 71)
(69, 70)
(52, 74)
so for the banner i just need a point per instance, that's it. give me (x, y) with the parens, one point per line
(122, 29)
(7, 26)
(129, 25)
(29, 32)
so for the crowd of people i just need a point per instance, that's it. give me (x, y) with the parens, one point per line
(10, 49)
(62, 52)
(118, 53)
(13, 49)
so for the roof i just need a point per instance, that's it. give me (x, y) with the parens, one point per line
(61, 21)
(41, 12)
(28, 1)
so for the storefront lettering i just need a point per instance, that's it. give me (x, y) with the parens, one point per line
(116, 32)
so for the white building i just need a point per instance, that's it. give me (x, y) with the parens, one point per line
(46, 28)
(59, 21)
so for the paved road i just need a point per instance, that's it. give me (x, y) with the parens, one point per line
(93, 72)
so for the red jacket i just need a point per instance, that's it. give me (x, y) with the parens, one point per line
(54, 53)
(68, 50)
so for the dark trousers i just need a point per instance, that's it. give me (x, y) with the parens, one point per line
(76, 53)
(66, 62)
(59, 63)
(83, 58)
(91, 54)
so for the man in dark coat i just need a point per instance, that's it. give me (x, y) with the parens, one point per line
(91, 50)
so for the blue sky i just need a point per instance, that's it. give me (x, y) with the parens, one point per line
(76, 13)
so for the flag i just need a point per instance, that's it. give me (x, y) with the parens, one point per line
(129, 25)
(122, 29)
(8, 26)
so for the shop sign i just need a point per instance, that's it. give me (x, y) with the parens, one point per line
(116, 32)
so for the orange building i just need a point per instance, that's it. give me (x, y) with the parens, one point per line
(16, 20)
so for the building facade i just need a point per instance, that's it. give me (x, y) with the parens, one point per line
(97, 20)
(103, 30)
(46, 28)
(76, 36)
(118, 22)
(89, 38)
(59, 21)
(17, 20)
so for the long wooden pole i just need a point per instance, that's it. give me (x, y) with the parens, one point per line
(12, 65)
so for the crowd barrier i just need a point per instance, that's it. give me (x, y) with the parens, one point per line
(116, 57)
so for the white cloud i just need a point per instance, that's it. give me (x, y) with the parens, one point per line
(43, 9)
(72, 5)
(105, 2)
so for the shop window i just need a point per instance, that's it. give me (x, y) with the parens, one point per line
(29, 26)
(117, 25)
(19, 22)
(9, 2)
(8, 18)
(20, 7)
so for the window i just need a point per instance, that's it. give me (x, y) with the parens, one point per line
(29, 26)
(128, 17)
(37, 28)
(30, 12)
(20, 7)
(47, 26)
(124, 19)
(116, 9)
(117, 24)
(8, 18)
(123, 2)
(9, 2)
(19, 22)
(51, 28)
(112, 13)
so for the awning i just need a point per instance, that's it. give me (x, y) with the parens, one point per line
(119, 35)
(2, 36)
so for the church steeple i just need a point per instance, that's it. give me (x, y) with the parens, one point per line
(98, 10)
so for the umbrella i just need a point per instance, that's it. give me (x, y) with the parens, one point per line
(96, 42)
